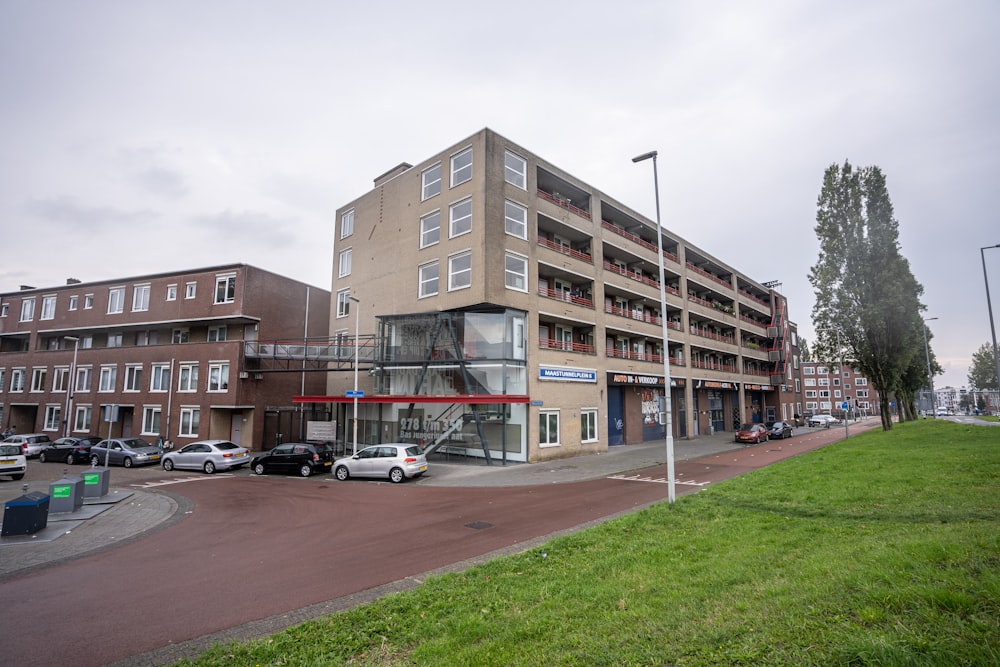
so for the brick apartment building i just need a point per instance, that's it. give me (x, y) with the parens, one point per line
(826, 387)
(515, 313)
(167, 349)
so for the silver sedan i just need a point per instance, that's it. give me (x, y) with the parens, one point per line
(207, 455)
(396, 461)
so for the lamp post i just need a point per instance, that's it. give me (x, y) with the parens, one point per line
(668, 410)
(989, 307)
(930, 376)
(71, 383)
(357, 324)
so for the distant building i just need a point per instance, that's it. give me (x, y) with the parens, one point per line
(515, 313)
(826, 387)
(166, 349)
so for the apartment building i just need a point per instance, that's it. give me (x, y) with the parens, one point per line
(516, 314)
(826, 387)
(166, 350)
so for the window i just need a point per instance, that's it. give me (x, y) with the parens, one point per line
(115, 339)
(461, 167)
(133, 378)
(151, 420)
(17, 379)
(824, 382)
(109, 378)
(160, 380)
(428, 281)
(81, 422)
(810, 382)
(88, 301)
(225, 288)
(218, 376)
(189, 422)
(808, 370)
(344, 263)
(343, 303)
(187, 377)
(116, 300)
(48, 308)
(516, 272)
(860, 382)
(28, 309)
(171, 292)
(179, 336)
(217, 334)
(38, 376)
(83, 376)
(53, 416)
(140, 298)
(74, 302)
(430, 182)
(516, 220)
(588, 425)
(461, 217)
(144, 338)
(430, 229)
(3, 384)
(190, 290)
(515, 170)
(460, 271)
(548, 428)
(60, 379)
(347, 224)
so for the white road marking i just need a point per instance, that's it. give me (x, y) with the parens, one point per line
(178, 480)
(656, 480)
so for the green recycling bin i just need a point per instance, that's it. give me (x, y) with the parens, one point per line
(66, 495)
(96, 482)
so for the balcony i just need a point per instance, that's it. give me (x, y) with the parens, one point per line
(567, 297)
(563, 201)
(566, 346)
(638, 276)
(708, 333)
(638, 240)
(712, 365)
(711, 276)
(566, 250)
(633, 355)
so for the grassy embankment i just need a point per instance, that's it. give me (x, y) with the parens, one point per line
(882, 550)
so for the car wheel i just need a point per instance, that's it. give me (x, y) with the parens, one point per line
(41, 457)
(209, 467)
(342, 473)
(168, 464)
(70, 459)
(305, 470)
(396, 475)
(258, 469)
(127, 462)
(95, 460)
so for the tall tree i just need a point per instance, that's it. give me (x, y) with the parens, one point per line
(983, 371)
(867, 299)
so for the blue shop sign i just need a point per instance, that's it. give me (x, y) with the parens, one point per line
(563, 374)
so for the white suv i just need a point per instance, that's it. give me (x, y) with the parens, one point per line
(12, 461)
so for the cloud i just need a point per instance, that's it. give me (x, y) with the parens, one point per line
(83, 218)
(249, 227)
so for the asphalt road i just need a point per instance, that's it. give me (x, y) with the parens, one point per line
(255, 554)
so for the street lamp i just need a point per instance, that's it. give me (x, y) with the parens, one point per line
(71, 383)
(357, 323)
(989, 307)
(930, 376)
(668, 410)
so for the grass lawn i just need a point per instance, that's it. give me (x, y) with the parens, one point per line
(882, 550)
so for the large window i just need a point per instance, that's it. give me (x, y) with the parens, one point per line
(344, 303)
(189, 422)
(461, 167)
(160, 380)
(516, 220)
(225, 288)
(151, 420)
(190, 290)
(344, 262)
(171, 292)
(461, 217)
(116, 300)
(516, 272)
(81, 422)
(347, 224)
(218, 376)
(74, 302)
(516, 170)
(38, 376)
(430, 182)
(588, 425)
(83, 376)
(60, 379)
(109, 378)
(548, 428)
(428, 282)
(53, 417)
(140, 297)
(187, 377)
(180, 336)
(48, 308)
(430, 229)
(28, 309)
(17, 379)
(133, 377)
(460, 271)
(217, 334)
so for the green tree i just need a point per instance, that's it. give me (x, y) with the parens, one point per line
(804, 353)
(983, 371)
(867, 299)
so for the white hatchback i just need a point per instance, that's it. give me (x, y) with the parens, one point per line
(395, 460)
(12, 461)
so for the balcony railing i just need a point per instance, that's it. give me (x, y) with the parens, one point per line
(637, 275)
(632, 314)
(710, 276)
(632, 355)
(750, 320)
(566, 346)
(753, 298)
(705, 333)
(714, 366)
(759, 372)
(564, 202)
(566, 250)
(638, 240)
(568, 297)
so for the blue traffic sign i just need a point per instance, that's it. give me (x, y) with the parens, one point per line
(354, 394)
(844, 405)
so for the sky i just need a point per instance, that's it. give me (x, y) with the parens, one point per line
(143, 137)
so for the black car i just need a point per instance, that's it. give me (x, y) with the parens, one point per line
(780, 430)
(299, 458)
(69, 450)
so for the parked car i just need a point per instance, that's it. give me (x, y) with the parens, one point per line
(69, 450)
(397, 461)
(207, 455)
(12, 461)
(780, 430)
(755, 433)
(32, 444)
(126, 452)
(822, 420)
(300, 458)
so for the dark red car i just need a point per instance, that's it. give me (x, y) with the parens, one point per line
(755, 433)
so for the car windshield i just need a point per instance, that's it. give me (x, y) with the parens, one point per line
(747, 427)
(9, 450)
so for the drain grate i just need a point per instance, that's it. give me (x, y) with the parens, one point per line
(479, 525)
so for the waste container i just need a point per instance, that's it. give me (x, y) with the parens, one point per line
(95, 482)
(66, 495)
(25, 515)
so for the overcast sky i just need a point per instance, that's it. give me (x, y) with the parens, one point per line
(140, 137)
